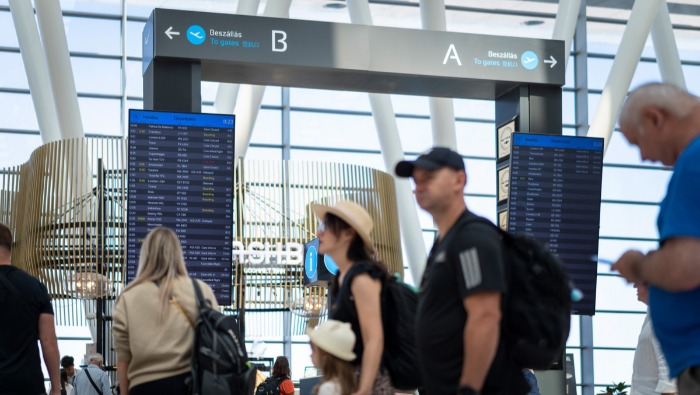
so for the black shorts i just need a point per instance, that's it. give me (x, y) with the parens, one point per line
(174, 385)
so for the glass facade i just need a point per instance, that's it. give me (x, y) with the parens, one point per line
(104, 38)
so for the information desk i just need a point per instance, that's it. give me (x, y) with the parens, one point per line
(554, 195)
(181, 177)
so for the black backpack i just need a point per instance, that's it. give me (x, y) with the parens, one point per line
(399, 305)
(219, 359)
(537, 312)
(271, 386)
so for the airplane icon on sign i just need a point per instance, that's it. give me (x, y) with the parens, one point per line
(529, 60)
(196, 35)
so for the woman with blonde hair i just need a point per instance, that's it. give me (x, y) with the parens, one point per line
(344, 235)
(154, 320)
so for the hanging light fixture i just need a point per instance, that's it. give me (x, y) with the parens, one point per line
(89, 284)
(310, 306)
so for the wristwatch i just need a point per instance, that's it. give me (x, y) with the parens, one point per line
(466, 390)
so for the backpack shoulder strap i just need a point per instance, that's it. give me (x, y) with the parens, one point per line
(505, 237)
(475, 219)
(202, 303)
(358, 268)
(467, 219)
(364, 267)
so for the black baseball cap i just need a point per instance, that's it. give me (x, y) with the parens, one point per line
(434, 159)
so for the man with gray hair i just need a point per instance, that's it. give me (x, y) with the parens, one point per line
(93, 380)
(664, 122)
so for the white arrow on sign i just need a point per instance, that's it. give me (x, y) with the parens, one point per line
(170, 33)
(552, 61)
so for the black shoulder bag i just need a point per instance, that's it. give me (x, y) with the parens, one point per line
(93, 382)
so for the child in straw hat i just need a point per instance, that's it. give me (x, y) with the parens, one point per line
(331, 351)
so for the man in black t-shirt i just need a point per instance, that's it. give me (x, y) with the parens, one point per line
(460, 301)
(27, 316)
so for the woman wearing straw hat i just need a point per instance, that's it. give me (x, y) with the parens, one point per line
(331, 351)
(344, 235)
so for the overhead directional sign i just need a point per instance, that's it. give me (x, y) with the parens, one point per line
(232, 48)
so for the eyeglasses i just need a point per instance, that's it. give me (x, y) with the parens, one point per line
(321, 226)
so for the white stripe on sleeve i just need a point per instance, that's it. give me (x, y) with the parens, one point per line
(471, 270)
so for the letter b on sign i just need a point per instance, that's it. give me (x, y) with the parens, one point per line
(279, 41)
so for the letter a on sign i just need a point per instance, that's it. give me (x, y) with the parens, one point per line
(452, 54)
(279, 37)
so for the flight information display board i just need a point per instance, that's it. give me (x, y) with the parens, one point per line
(554, 195)
(181, 177)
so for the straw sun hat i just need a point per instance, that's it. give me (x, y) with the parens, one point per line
(335, 338)
(352, 213)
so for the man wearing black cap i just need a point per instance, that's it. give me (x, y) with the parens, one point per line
(462, 287)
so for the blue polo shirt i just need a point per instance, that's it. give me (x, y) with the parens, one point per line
(676, 315)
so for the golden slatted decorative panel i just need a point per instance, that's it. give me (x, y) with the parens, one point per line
(67, 207)
(68, 219)
(9, 186)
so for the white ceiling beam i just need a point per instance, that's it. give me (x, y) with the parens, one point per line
(250, 96)
(666, 49)
(565, 25)
(36, 69)
(623, 67)
(442, 112)
(55, 44)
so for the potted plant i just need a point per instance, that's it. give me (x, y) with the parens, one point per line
(615, 389)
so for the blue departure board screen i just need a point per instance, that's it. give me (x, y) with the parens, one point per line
(554, 195)
(181, 177)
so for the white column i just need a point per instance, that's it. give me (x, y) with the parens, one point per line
(432, 15)
(251, 96)
(36, 69)
(620, 78)
(666, 48)
(565, 25)
(247, 110)
(442, 113)
(227, 93)
(53, 37)
(392, 152)
(442, 122)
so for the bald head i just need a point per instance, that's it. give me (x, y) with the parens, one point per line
(660, 119)
(672, 100)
